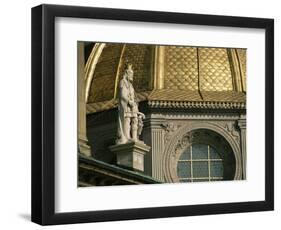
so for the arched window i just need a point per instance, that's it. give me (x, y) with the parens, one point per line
(212, 160)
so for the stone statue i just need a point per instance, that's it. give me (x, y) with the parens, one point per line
(129, 150)
(130, 122)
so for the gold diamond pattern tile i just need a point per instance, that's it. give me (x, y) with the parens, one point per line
(140, 57)
(214, 70)
(180, 70)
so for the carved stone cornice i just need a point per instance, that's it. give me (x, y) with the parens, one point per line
(196, 105)
(180, 99)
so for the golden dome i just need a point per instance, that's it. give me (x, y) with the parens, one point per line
(165, 73)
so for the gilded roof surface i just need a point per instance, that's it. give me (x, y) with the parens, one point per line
(214, 70)
(195, 74)
(104, 74)
(180, 69)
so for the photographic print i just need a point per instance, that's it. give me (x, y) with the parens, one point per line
(160, 114)
(144, 104)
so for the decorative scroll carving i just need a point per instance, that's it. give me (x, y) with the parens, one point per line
(182, 143)
(230, 127)
(170, 128)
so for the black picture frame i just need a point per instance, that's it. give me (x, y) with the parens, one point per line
(43, 114)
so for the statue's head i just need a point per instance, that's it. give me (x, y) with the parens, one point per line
(129, 72)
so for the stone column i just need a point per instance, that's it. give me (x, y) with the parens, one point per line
(155, 138)
(242, 126)
(83, 146)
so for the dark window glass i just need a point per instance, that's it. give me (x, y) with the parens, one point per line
(216, 169)
(214, 154)
(200, 169)
(186, 154)
(199, 151)
(184, 169)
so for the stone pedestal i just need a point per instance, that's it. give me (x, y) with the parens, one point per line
(131, 154)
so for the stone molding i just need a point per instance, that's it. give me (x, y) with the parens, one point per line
(196, 105)
(162, 104)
